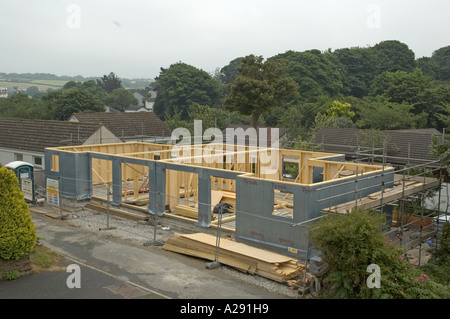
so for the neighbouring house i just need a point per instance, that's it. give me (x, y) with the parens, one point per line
(141, 106)
(403, 147)
(129, 127)
(139, 98)
(25, 140)
(135, 108)
(150, 101)
(109, 109)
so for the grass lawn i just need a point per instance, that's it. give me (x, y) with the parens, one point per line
(43, 258)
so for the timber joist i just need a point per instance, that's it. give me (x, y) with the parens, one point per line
(240, 256)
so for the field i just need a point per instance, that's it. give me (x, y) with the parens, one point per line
(44, 83)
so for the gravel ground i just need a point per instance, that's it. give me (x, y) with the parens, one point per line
(142, 232)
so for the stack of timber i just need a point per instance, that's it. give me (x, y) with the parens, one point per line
(245, 258)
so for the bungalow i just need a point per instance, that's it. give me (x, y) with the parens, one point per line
(25, 140)
(129, 127)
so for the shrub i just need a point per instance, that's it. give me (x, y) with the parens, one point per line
(443, 253)
(17, 231)
(351, 243)
(11, 275)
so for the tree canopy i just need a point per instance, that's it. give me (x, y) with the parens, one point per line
(316, 73)
(64, 103)
(181, 85)
(385, 86)
(110, 82)
(260, 86)
(442, 59)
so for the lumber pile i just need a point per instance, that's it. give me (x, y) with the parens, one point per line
(242, 257)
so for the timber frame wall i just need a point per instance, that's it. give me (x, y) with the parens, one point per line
(324, 180)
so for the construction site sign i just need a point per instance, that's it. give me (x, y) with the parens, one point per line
(52, 191)
(27, 188)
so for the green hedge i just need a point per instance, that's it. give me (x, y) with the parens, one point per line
(17, 230)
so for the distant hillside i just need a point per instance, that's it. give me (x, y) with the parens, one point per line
(45, 81)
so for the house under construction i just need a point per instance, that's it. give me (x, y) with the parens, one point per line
(268, 194)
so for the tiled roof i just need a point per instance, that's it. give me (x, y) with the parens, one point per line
(128, 125)
(36, 135)
(402, 144)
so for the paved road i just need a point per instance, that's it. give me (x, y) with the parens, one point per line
(116, 269)
(94, 284)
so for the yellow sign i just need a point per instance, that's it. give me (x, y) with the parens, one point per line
(52, 191)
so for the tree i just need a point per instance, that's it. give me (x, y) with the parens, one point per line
(260, 86)
(428, 66)
(359, 67)
(21, 106)
(32, 91)
(339, 109)
(401, 86)
(89, 86)
(230, 72)
(434, 103)
(181, 85)
(442, 59)
(381, 114)
(338, 114)
(316, 73)
(393, 56)
(174, 121)
(109, 82)
(63, 103)
(417, 89)
(17, 231)
(120, 99)
(203, 113)
(441, 148)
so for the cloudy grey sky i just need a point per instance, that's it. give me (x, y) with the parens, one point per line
(135, 38)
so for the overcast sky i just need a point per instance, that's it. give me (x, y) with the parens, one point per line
(135, 38)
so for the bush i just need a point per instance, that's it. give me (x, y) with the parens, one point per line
(11, 275)
(351, 243)
(17, 231)
(443, 253)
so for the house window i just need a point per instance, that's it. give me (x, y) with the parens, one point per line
(18, 157)
(38, 160)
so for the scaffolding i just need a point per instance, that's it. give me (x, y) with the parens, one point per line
(410, 225)
(275, 210)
